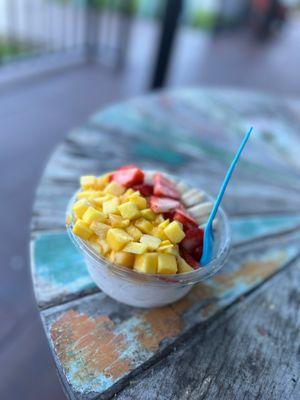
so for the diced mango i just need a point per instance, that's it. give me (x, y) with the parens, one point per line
(124, 259)
(134, 232)
(144, 225)
(133, 195)
(146, 263)
(129, 210)
(158, 232)
(79, 208)
(150, 241)
(102, 181)
(164, 224)
(87, 182)
(165, 242)
(104, 247)
(139, 201)
(81, 230)
(85, 194)
(183, 266)
(117, 221)
(148, 214)
(135, 248)
(95, 246)
(159, 219)
(166, 264)
(99, 229)
(114, 188)
(117, 238)
(125, 196)
(111, 206)
(92, 214)
(174, 232)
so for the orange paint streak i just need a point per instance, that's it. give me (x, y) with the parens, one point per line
(250, 272)
(92, 343)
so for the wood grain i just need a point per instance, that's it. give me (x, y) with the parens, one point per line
(249, 352)
(192, 134)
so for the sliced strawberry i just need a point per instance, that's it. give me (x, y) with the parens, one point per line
(169, 215)
(193, 238)
(129, 176)
(130, 166)
(163, 205)
(164, 188)
(145, 190)
(197, 253)
(187, 220)
(189, 259)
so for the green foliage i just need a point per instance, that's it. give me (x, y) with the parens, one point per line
(10, 48)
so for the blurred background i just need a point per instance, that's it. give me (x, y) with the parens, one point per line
(60, 60)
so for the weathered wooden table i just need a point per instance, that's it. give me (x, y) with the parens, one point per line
(236, 336)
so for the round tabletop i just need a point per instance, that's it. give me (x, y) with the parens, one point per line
(102, 347)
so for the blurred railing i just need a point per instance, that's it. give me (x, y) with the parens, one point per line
(95, 29)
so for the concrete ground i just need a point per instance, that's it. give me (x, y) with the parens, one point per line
(36, 114)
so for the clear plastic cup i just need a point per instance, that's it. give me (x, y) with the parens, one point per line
(144, 290)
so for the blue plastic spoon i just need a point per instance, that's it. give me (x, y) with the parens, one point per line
(208, 239)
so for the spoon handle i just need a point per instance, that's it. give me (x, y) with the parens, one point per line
(227, 178)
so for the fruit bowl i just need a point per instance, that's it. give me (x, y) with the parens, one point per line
(152, 290)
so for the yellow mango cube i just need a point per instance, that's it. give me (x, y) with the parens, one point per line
(133, 195)
(124, 259)
(104, 247)
(158, 232)
(114, 188)
(134, 232)
(117, 221)
(95, 246)
(110, 206)
(150, 241)
(144, 225)
(174, 232)
(81, 230)
(99, 229)
(159, 219)
(164, 224)
(117, 238)
(148, 214)
(88, 182)
(102, 181)
(135, 248)
(166, 264)
(85, 194)
(125, 196)
(183, 266)
(129, 210)
(79, 208)
(92, 214)
(139, 201)
(146, 263)
(101, 199)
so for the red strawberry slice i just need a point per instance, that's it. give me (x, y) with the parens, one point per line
(130, 166)
(193, 240)
(145, 190)
(187, 220)
(164, 188)
(163, 205)
(129, 176)
(189, 259)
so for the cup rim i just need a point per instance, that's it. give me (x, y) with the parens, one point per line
(187, 278)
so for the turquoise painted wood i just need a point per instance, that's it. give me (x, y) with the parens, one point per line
(98, 344)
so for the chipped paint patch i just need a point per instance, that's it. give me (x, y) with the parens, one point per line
(59, 270)
(89, 350)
